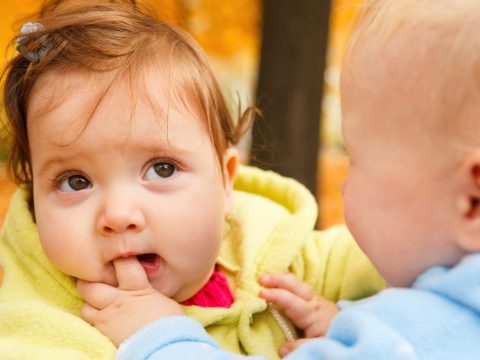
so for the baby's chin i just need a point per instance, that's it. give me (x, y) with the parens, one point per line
(161, 288)
(184, 293)
(171, 289)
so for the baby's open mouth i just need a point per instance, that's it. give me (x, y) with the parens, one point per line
(148, 258)
(150, 262)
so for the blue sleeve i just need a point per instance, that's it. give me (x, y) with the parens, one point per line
(177, 337)
(357, 335)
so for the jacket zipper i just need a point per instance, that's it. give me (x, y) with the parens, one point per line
(285, 325)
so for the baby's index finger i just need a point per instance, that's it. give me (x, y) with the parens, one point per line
(130, 274)
(288, 282)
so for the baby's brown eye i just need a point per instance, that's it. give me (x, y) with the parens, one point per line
(75, 183)
(164, 170)
(161, 170)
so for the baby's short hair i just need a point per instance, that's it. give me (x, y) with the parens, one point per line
(383, 18)
(441, 36)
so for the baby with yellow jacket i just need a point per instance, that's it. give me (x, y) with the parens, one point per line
(123, 148)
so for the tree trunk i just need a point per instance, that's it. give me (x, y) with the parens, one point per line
(289, 90)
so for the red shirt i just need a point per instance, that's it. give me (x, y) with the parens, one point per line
(215, 293)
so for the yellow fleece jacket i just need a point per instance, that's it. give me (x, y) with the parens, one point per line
(270, 230)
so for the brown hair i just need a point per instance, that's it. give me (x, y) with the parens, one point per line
(115, 35)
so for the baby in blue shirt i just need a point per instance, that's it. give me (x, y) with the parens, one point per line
(410, 89)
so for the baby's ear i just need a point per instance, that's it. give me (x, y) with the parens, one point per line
(468, 237)
(230, 168)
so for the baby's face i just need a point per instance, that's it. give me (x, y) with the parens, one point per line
(122, 186)
(398, 196)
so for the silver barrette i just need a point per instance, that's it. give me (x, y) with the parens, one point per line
(23, 41)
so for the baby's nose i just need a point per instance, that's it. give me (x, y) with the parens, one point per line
(119, 226)
(120, 215)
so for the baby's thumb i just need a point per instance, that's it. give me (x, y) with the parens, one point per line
(130, 274)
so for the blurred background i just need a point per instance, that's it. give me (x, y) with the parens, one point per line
(281, 55)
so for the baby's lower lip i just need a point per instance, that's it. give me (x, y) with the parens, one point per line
(151, 263)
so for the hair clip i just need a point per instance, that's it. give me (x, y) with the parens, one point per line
(23, 41)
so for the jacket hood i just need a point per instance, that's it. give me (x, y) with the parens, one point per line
(459, 283)
(271, 219)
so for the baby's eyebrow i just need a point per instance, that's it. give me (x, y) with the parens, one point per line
(161, 147)
(53, 162)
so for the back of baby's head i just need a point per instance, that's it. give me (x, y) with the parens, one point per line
(111, 36)
(427, 52)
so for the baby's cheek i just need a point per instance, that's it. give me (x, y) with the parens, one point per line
(349, 214)
(59, 253)
(63, 247)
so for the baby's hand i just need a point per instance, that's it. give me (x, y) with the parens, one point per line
(119, 312)
(308, 311)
